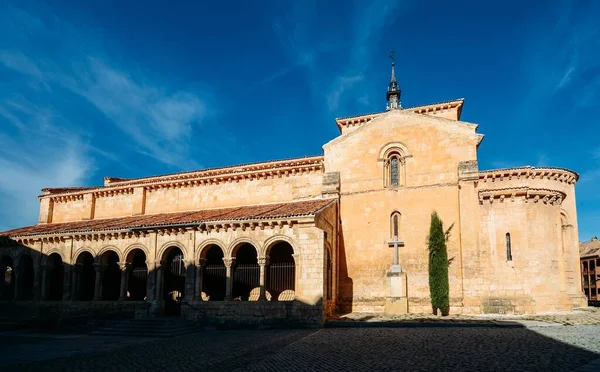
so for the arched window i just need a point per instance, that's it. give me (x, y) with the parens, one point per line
(394, 170)
(395, 221)
(508, 248)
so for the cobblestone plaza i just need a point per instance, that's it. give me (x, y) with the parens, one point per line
(534, 346)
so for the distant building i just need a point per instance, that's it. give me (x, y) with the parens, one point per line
(590, 269)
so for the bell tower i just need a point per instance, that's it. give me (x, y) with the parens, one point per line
(393, 92)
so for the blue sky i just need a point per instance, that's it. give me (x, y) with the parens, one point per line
(111, 88)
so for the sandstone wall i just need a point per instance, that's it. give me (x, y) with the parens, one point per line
(543, 273)
(182, 197)
(433, 149)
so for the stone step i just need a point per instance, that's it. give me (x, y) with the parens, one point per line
(148, 327)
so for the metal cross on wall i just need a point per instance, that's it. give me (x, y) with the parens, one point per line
(396, 244)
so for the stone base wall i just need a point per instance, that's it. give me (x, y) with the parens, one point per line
(254, 314)
(50, 314)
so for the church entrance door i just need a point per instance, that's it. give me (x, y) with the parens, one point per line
(174, 282)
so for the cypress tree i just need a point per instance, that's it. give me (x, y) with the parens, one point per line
(438, 266)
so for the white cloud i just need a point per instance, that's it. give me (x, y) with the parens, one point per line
(42, 155)
(46, 139)
(343, 84)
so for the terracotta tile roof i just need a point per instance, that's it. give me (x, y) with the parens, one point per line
(590, 249)
(254, 212)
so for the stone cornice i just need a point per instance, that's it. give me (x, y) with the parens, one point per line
(280, 168)
(433, 108)
(546, 196)
(528, 172)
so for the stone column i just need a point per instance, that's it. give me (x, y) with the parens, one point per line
(75, 289)
(262, 262)
(17, 273)
(229, 279)
(66, 295)
(37, 281)
(298, 274)
(151, 282)
(160, 268)
(98, 283)
(45, 270)
(124, 266)
(190, 280)
(198, 291)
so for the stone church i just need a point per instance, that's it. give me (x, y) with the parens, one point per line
(301, 239)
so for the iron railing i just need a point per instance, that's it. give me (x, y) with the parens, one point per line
(281, 277)
(245, 278)
(214, 282)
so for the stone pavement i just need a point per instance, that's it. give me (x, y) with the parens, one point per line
(589, 315)
(534, 347)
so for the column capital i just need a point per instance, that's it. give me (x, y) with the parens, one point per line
(263, 261)
(98, 266)
(228, 261)
(124, 265)
(189, 261)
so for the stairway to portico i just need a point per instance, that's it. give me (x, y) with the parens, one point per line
(155, 327)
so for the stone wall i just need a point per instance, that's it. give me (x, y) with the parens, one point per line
(542, 274)
(182, 197)
(431, 149)
(257, 314)
(25, 314)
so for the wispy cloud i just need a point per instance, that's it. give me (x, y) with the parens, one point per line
(565, 60)
(66, 105)
(311, 46)
(40, 154)
(158, 119)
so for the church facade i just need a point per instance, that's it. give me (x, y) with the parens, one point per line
(309, 237)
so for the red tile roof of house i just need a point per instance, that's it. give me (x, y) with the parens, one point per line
(590, 249)
(255, 212)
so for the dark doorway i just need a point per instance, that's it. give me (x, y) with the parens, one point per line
(56, 277)
(26, 269)
(111, 277)
(8, 278)
(215, 274)
(281, 272)
(87, 276)
(246, 272)
(138, 276)
(174, 281)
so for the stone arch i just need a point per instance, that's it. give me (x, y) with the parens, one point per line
(136, 280)
(214, 272)
(564, 217)
(173, 277)
(47, 255)
(272, 240)
(109, 258)
(167, 247)
(110, 248)
(391, 147)
(395, 224)
(55, 272)
(236, 244)
(81, 250)
(202, 247)
(84, 286)
(130, 249)
(245, 270)
(7, 277)
(26, 276)
(280, 280)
